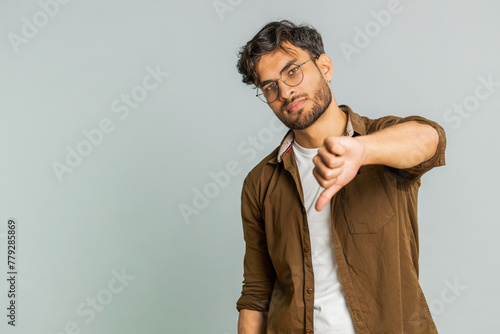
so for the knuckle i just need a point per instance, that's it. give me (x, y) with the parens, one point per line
(322, 182)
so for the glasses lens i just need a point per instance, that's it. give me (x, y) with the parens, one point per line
(268, 93)
(293, 76)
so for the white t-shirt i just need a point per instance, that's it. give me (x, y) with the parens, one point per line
(331, 312)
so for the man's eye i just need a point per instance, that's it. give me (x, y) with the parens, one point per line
(293, 71)
(270, 87)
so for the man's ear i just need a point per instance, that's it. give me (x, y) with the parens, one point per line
(325, 66)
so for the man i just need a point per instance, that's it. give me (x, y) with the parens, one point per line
(330, 216)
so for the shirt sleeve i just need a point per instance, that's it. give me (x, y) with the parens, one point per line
(415, 172)
(258, 270)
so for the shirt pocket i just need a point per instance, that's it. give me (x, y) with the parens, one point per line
(365, 203)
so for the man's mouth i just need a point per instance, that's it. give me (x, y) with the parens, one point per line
(292, 107)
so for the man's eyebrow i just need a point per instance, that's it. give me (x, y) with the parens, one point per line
(287, 65)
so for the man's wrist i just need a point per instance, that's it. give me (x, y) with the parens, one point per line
(366, 149)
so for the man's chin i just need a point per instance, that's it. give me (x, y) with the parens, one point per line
(301, 125)
(294, 119)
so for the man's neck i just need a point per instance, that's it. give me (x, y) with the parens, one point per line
(333, 122)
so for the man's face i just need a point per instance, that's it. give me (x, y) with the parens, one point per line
(300, 106)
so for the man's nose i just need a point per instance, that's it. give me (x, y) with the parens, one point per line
(285, 91)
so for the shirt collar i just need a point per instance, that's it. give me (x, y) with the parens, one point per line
(355, 125)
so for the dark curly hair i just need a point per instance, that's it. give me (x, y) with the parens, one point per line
(271, 37)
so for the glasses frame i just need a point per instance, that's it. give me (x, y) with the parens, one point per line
(281, 78)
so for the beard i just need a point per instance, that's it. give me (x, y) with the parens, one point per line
(303, 119)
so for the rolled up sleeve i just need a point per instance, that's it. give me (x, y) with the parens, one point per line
(415, 172)
(258, 270)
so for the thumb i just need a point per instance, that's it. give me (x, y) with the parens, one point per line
(326, 196)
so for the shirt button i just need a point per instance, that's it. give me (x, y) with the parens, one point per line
(303, 210)
(309, 290)
(306, 249)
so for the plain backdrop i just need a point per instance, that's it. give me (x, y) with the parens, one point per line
(116, 209)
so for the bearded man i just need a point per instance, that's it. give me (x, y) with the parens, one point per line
(330, 216)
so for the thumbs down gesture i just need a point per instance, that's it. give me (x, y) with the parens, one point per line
(336, 164)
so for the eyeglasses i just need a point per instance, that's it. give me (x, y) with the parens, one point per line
(269, 92)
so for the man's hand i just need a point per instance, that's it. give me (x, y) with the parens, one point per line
(402, 145)
(337, 163)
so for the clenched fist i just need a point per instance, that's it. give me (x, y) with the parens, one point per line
(336, 164)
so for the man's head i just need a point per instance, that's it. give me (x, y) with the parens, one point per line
(289, 61)
(272, 37)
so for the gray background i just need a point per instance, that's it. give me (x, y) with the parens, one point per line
(119, 208)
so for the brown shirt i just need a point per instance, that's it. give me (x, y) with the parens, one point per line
(375, 236)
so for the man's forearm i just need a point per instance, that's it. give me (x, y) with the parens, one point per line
(400, 146)
(251, 322)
